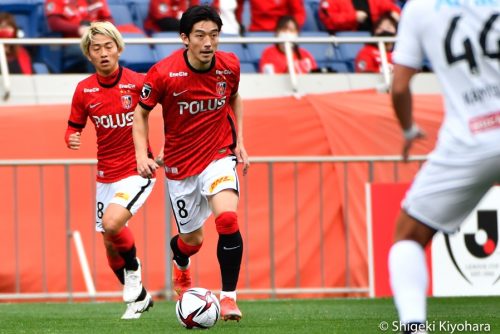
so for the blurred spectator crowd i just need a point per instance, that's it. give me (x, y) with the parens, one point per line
(160, 18)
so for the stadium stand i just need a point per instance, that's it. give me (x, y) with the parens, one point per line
(255, 49)
(27, 16)
(137, 57)
(311, 23)
(164, 50)
(31, 19)
(121, 14)
(325, 54)
(349, 51)
(139, 10)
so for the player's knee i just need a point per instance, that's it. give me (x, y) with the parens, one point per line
(111, 224)
(408, 228)
(193, 238)
(227, 223)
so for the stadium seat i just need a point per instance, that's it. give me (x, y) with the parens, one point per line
(255, 49)
(139, 10)
(323, 53)
(26, 14)
(238, 49)
(121, 14)
(349, 51)
(164, 50)
(246, 15)
(247, 67)
(137, 57)
(40, 68)
(310, 23)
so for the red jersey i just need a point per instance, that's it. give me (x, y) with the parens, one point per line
(369, 59)
(198, 119)
(265, 13)
(337, 15)
(75, 12)
(110, 104)
(273, 60)
(160, 9)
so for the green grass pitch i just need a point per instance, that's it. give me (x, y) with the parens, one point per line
(310, 316)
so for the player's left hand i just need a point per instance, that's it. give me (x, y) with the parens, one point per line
(146, 167)
(242, 156)
(410, 136)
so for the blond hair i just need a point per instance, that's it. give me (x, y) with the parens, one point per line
(103, 28)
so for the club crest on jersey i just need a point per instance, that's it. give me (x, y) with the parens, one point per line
(146, 91)
(127, 101)
(221, 88)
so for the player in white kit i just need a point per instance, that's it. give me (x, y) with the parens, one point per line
(461, 40)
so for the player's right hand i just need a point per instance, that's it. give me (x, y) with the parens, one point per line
(146, 167)
(74, 141)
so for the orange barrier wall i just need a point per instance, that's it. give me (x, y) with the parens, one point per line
(356, 123)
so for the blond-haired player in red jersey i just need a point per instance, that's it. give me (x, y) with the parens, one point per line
(203, 123)
(108, 97)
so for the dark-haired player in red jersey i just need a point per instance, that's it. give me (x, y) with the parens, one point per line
(203, 121)
(108, 98)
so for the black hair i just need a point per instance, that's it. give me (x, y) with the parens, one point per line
(383, 17)
(196, 14)
(282, 23)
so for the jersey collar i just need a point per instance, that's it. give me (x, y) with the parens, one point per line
(111, 84)
(196, 70)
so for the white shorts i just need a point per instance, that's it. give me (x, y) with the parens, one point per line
(189, 197)
(130, 192)
(445, 191)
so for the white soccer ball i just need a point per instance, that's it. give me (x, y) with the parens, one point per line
(197, 308)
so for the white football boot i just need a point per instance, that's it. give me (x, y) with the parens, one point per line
(133, 284)
(136, 309)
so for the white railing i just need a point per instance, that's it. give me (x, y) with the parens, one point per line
(270, 163)
(224, 40)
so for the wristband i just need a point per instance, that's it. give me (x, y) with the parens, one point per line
(412, 132)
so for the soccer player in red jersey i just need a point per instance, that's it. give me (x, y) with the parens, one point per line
(108, 98)
(203, 122)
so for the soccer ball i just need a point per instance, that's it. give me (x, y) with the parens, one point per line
(197, 308)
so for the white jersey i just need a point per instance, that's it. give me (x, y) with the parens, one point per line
(461, 39)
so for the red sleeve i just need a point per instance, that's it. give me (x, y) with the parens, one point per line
(271, 57)
(152, 89)
(54, 7)
(105, 13)
(298, 10)
(365, 61)
(337, 15)
(239, 10)
(380, 7)
(78, 116)
(58, 23)
(307, 54)
(153, 11)
(24, 59)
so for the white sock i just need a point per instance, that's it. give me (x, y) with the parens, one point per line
(230, 294)
(408, 275)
